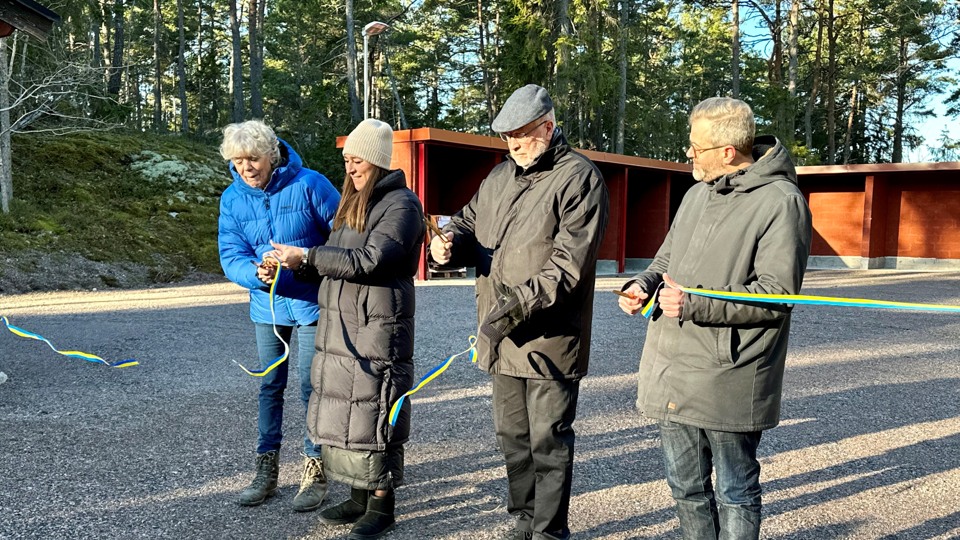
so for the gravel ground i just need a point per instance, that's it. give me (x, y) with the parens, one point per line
(869, 445)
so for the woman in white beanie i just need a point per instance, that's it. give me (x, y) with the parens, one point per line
(364, 358)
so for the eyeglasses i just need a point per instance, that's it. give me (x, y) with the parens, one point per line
(521, 136)
(697, 152)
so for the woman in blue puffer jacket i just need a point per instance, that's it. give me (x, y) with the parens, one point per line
(273, 196)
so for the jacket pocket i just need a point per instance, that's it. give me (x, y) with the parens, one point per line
(363, 295)
(725, 344)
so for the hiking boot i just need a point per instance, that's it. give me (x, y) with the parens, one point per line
(313, 486)
(265, 483)
(377, 521)
(349, 511)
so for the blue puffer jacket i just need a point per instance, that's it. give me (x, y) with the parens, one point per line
(296, 208)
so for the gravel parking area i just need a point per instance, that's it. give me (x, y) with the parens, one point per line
(868, 448)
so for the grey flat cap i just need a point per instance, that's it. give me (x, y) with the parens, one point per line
(523, 106)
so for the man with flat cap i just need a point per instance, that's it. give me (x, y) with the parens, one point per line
(533, 231)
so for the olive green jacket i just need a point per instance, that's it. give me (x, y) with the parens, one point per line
(720, 365)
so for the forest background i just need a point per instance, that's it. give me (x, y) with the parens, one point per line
(134, 89)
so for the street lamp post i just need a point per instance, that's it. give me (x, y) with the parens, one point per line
(371, 29)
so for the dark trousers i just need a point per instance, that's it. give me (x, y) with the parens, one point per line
(533, 420)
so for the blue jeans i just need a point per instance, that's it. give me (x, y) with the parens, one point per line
(272, 385)
(732, 511)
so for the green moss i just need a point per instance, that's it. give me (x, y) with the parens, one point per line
(100, 195)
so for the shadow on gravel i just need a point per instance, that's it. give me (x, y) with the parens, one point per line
(631, 524)
(929, 528)
(836, 530)
(162, 450)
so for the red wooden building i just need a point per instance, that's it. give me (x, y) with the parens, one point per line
(904, 216)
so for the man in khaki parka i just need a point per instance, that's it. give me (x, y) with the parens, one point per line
(711, 372)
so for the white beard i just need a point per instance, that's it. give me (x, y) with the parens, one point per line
(536, 150)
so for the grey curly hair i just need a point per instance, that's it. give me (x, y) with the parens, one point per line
(249, 139)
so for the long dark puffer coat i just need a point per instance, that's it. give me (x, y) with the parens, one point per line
(365, 335)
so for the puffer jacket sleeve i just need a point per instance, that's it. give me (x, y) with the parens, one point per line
(580, 231)
(781, 258)
(389, 244)
(325, 200)
(236, 253)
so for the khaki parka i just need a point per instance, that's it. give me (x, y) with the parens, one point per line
(720, 365)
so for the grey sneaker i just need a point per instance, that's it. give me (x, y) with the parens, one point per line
(313, 486)
(265, 483)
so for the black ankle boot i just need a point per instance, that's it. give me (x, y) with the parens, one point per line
(378, 520)
(349, 510)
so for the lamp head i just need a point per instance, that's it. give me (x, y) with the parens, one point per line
(374, 28)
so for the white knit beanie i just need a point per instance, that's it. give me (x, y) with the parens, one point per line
(371, 141)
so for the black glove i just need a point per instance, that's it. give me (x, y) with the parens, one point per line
(504, 318)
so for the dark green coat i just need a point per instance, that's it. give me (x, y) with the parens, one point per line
(720, 366)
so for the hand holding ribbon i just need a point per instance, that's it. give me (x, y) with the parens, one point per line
(671, 298)
(286, 346)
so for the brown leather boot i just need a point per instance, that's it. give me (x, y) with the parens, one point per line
(265, 483)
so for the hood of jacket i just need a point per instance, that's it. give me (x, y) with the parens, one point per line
(771, 164)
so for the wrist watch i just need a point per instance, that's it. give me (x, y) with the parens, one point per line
(306, 253)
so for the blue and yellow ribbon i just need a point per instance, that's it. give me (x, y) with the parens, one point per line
(801, 299)
(286, 346)
(72, 354)
(431, 375)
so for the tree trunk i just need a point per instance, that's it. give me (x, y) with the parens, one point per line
(356, 113)
(776, 70)
(831, 85)
(735, 45)
(487, 88)
(393, 88)
(561, 94)
(182, 73)
(6, 170)
(622, 101)
(236, 67)
(815, 85)
(851, 117)
(116, 61)
(496, 55)
(106, 19)
(133, 85)
(201, 103)
(792, 53)
(157, 71)
(96, 23)
(897, 156)
(256, 58)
